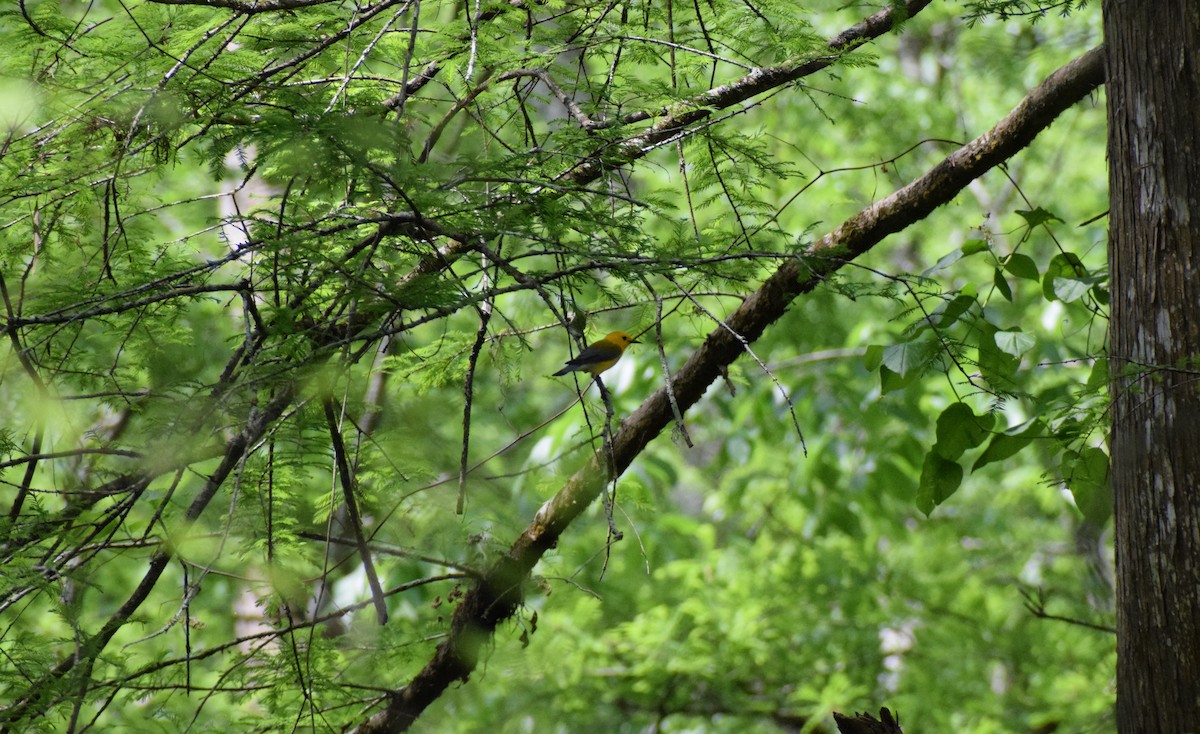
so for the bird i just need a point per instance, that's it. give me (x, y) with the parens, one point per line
(599, 355)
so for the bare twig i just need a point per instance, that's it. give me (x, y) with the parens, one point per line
(485, 315)
(348, 484)
(1035, 604)
(787, 398)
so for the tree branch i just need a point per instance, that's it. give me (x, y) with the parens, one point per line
(762, 80)
(249, 7)
(674, 118)
(497, 595)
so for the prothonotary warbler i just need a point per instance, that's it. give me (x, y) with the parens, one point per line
(600, 355)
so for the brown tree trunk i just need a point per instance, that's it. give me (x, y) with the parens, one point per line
(1153, 57)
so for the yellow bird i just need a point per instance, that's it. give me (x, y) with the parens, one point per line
(600, 355)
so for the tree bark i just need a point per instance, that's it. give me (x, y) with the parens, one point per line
(1153, 58)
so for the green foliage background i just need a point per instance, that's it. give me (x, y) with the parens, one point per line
(900, 501)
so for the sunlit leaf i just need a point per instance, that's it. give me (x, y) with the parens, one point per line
(971, 247)
(1069, 290)
(1086, 475)
(1014, 342)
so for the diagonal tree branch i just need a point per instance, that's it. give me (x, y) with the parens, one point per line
(673, 120)
(498, 594)
(249, 7)
(677, 117)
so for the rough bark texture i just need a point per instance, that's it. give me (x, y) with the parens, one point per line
(1154, 156)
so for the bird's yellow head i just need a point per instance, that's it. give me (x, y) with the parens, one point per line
(620, 338)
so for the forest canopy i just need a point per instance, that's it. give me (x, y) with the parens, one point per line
(285, 281)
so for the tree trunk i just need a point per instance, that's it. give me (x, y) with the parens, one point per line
(1153, 57)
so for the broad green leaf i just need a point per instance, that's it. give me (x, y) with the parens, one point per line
(939, 479)
(943, 262)
(911, 356)
(949, 312)
(1014, 342)
(1010, 442)
(959, 429)
(1098, 377)
(998, 367)
(889, 381)
(1022, 266)
(1086, 475)
(874, 357)
(1037, 216)
(970, 247)
(1002, 285)
(1063, 265)
(1069, 290)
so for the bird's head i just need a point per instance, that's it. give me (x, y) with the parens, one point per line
(620, 338)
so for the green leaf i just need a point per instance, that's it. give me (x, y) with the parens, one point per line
(1098, 377)
(943, 262)
(1063, 265)
(1037, 216)
(1002, 285)
(940, 478)
(1069, 290)
(959, 429)
(1010, 442)
(1086, 475)
(970, 247)
(907, 357)
(949, 312)
(889, 381)
(997, 366)
(1015, 342)
(1022, 266)
(873, 358)
(1069, 430)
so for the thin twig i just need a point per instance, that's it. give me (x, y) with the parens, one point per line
(762, 365)
(485, 315)
(348, 485)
